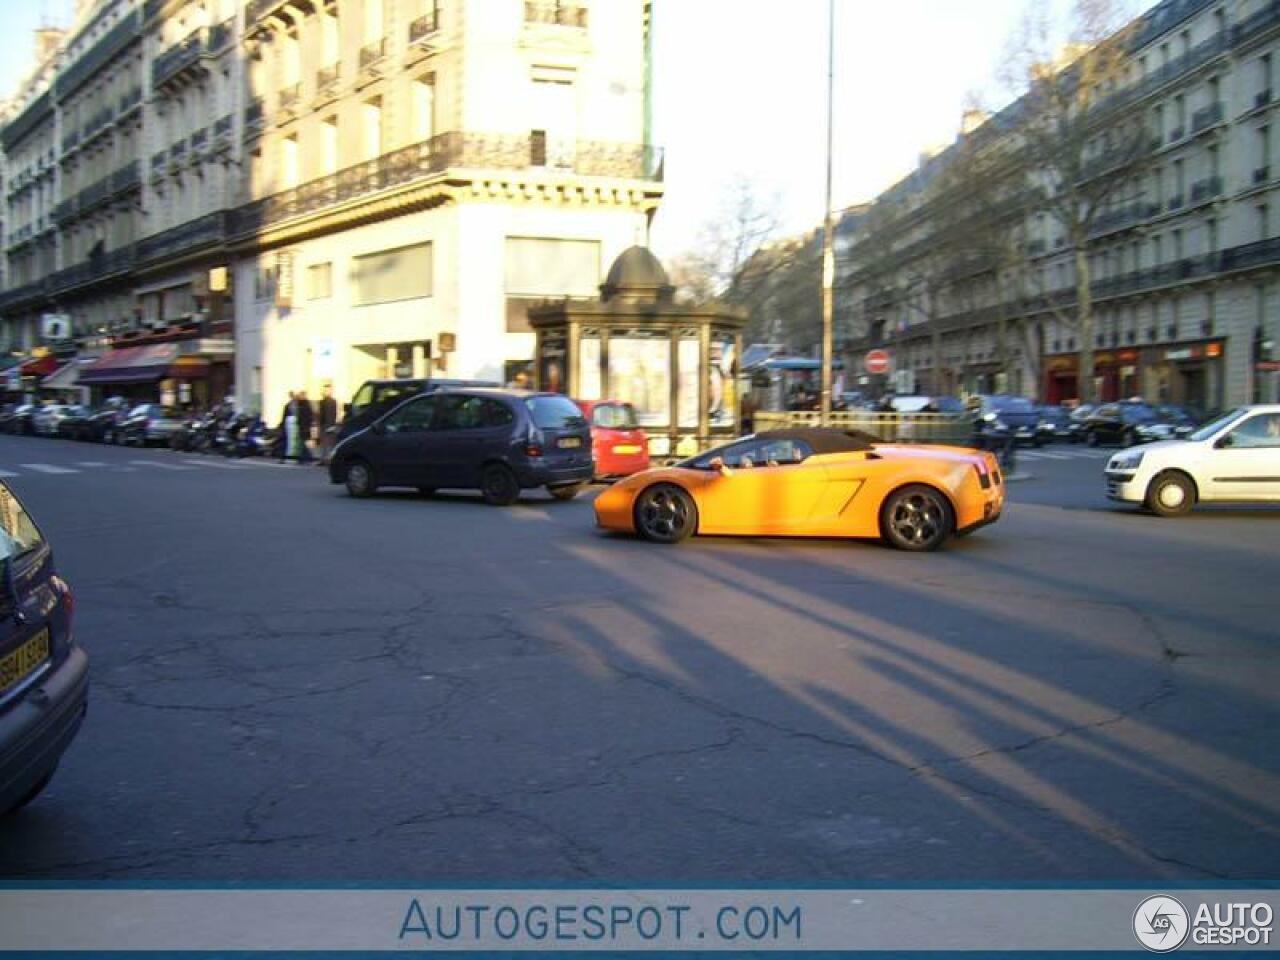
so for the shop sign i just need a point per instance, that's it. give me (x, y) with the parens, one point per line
(1184, 353)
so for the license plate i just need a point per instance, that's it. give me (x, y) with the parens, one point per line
(566, 443)
(18, 665)
(627, 448)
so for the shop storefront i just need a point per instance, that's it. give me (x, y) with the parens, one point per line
(184, 374)
(676, 365)
(1117, 375)
(1190, 374)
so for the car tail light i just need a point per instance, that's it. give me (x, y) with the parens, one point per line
(68, 599)
(532, 450)
(984, 478)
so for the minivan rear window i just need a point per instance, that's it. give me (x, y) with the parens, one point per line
(554, 413)
(18, 532)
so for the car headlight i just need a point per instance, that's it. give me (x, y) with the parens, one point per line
(1126, 461)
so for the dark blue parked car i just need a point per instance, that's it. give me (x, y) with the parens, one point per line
(496, 441)
(44, 676)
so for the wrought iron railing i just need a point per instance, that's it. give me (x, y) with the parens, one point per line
(181, 56)
(127, 177)
(327, 80)
(1205, 189)
(200, 139)
(424, 26)
(554, 12)
(253, 115)
(221, 35)
(372, 53)
(209, 229)
(432, 157)
(1206, 117)
(222, 126)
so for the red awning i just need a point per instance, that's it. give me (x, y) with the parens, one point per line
(132, 365)
(40, 367)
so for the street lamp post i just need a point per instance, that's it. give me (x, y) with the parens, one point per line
(828, 242)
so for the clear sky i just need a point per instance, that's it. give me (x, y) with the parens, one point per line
(740, 93)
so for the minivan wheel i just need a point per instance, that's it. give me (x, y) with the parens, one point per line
(360, 479)
(567, 491)
(498, 485)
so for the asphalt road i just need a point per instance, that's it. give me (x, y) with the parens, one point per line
(292, 685)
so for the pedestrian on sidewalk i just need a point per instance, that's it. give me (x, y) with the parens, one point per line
(306, 426)
(289, 428)
(328, 423)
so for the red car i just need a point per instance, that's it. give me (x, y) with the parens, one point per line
(618, 444)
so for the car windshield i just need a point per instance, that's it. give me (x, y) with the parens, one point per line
(1213, 426)
(614, 416)
(554, 412)
(18, 532)
(1012, 405)
(1138, 414)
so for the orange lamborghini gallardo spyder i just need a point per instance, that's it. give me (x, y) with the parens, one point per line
(812, 483)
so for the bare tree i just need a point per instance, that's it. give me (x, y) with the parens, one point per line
(1079, 153)
(745, 221)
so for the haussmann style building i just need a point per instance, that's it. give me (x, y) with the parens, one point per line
(293, 193)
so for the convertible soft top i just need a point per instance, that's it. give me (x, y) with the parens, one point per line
(824, 439)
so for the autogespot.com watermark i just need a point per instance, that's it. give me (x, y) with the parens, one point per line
(1162, 924)
(431, 923)
(507, 920)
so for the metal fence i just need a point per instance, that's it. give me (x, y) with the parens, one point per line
(954, 428)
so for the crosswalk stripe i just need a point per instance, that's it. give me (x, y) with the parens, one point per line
(219, 464)
(158, 465)
(90, 463)
(46, 468)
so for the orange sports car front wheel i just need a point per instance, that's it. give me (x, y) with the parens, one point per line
(665, 513)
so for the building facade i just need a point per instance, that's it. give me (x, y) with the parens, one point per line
(1182, 255)
(305, 193)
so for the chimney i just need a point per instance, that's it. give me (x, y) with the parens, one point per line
(47, 41)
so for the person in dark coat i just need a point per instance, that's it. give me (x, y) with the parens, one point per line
(306, 424)
(328, 422)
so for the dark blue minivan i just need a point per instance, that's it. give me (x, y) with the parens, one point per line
(44, 675)
(497, 441)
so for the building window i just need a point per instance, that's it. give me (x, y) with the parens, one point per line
(264, 280)
(542, 267)
(372, 118)
(424, 108)
(320, 281)
(1264, 225)
(404, 273)
(328, 145)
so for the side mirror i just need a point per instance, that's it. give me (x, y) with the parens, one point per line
(346, 409)
(1224, 442)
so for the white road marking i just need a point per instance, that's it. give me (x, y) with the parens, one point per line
(90, 463)
(220, 464)
(46, 468)
(158, 464)
(9, 473)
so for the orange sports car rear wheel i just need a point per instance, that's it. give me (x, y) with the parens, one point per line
(665, 513)
(916, 517)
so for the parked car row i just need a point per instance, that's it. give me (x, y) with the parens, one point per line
(115, 422)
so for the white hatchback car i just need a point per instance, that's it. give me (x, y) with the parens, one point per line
(1233, 459)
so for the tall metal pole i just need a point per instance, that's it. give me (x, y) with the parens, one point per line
(828, 241)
